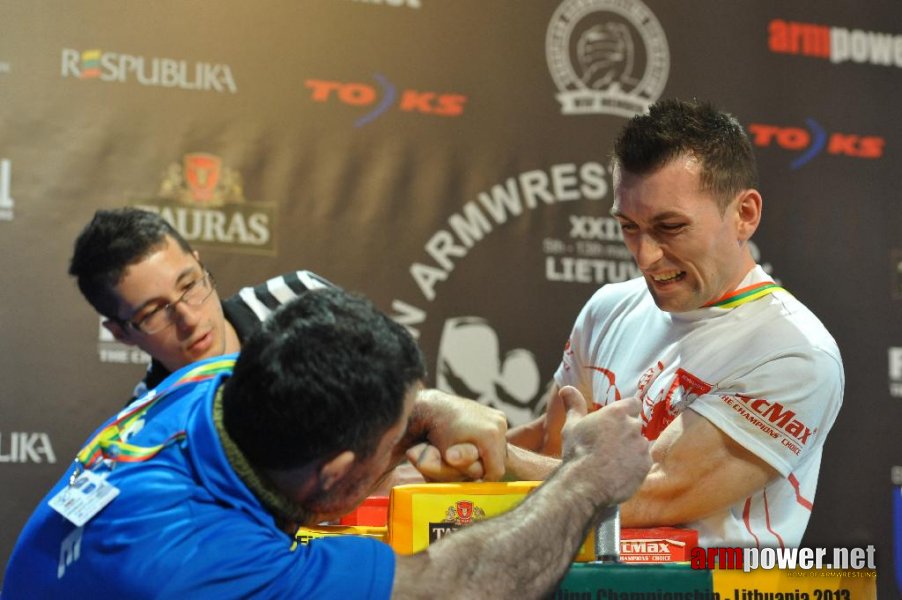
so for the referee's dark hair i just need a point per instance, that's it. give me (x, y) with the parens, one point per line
(109, 244)
(327, 372)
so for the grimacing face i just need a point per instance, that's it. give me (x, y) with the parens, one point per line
(197, 332)
(689, 253)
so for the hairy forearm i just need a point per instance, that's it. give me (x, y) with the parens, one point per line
(522, 553)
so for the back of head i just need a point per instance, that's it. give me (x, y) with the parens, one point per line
(327, 372)
(113, 240)
(674, 128)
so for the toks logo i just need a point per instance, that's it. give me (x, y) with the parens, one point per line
(814, 140)
(383, 96)
(836, 44)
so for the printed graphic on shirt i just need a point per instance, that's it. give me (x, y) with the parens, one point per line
(774, 419)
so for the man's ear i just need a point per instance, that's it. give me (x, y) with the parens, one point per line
(748, 213)
(119, 332)
(335, 470)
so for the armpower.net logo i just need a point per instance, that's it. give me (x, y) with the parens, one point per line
(784, 559)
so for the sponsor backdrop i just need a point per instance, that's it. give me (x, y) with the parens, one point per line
(448, 159)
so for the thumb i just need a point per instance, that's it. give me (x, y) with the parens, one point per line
(574, 403)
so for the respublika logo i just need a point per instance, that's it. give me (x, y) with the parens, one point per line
(204, 200)
(7, 204)
(379, 98)
(813, 140)
(606, 56)
(26, 447)
(116, 67)
(836, 44)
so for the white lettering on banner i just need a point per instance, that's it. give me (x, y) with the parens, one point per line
(529, 190)
(22, 447)
(605, 229)
(158, 72)
(865, 47)
(589, 270)
(6, 201)
(112, 351)
(209, 225)
(70, 551)
(837, 44)
(566, 182)
(895, 372)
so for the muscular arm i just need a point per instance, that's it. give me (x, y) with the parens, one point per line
(525, 552)
(697, 470)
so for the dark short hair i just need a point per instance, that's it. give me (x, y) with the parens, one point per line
(109, 244)
(327, 372)
(674, 128)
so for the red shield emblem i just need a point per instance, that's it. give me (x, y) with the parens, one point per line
(464, 510)
(202, 175)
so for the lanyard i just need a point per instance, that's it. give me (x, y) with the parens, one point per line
(108, 443)
(744, 295)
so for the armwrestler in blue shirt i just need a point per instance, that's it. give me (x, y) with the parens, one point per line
(217, 467)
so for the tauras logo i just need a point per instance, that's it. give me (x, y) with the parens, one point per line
(26, 447)
(114, 67)
(204, 200)
(779, 415)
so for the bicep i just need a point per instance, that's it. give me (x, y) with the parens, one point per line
(697, 470)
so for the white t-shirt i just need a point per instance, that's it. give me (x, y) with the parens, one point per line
(766, 373)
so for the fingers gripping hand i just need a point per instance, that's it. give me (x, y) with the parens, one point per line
(612, 439)
(464, 425)
(460, 462)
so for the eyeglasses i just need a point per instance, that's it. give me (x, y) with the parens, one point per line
(196, 293)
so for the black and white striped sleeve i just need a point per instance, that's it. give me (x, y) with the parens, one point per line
(263, 299)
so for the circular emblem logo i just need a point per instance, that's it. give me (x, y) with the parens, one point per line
(607, 56)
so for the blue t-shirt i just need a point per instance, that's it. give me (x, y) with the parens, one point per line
(184, 525)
